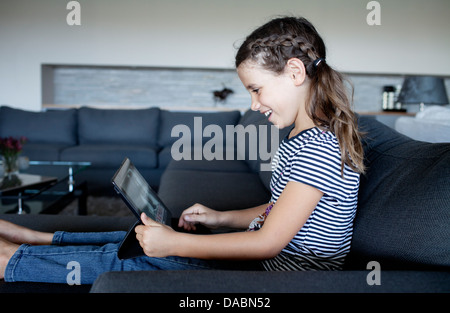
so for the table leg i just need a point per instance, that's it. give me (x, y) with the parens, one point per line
(71, 181)
(19, 204)
(82, 199)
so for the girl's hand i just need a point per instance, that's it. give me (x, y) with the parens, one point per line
(199, 214)
(155, 238)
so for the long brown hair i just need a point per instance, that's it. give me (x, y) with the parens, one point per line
(328, 104)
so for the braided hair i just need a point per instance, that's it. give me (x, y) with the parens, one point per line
(328, 104)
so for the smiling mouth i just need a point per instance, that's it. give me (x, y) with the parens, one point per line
(267, 113)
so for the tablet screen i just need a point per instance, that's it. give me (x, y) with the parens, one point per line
(139, 194)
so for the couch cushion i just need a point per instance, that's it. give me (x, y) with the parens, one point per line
(166, 156)
(210, 166)
(218, 190)
(403, 214)
(43, 151)
(110, 155)
(52, 126)
(118, 126)
(216, 164)
(171, 119)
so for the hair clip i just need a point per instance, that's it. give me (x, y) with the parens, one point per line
(317, 61)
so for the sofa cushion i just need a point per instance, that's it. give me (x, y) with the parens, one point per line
(43, 151)
(403, 214)
(218, 190)
(210, 166)
(36, 125)
(220, 163)
(118, 126)
(170, 119)
(164, 157)
(112, 155)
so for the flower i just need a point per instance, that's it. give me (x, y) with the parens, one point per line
(10, 146)
(10, 149)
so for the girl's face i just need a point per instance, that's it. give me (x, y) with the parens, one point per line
(276, 96)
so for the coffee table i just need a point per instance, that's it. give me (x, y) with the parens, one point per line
(44, 187)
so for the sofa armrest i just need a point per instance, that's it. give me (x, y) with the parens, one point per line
(77, 223)
(210, 281)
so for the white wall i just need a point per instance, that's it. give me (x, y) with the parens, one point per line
(413, 37)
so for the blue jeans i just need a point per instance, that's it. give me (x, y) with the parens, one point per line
(95, 253)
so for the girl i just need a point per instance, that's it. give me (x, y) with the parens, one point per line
(308, 222)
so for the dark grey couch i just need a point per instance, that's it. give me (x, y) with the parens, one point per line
(104, 138)
(402, 223)
(403, 220)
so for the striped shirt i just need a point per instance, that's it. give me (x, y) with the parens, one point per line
(313, 157)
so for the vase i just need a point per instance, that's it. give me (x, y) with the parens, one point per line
(10, 165)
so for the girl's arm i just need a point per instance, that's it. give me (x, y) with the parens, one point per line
(288, 215)
(199, 214)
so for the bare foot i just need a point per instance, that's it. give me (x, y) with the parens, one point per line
(7, 250)
(19, 234)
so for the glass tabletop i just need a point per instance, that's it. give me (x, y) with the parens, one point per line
(40, 184)
(60, 168)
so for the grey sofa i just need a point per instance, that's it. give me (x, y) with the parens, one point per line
(104, 138)
(402, 223)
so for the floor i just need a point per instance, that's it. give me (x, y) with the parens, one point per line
(101, 206)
